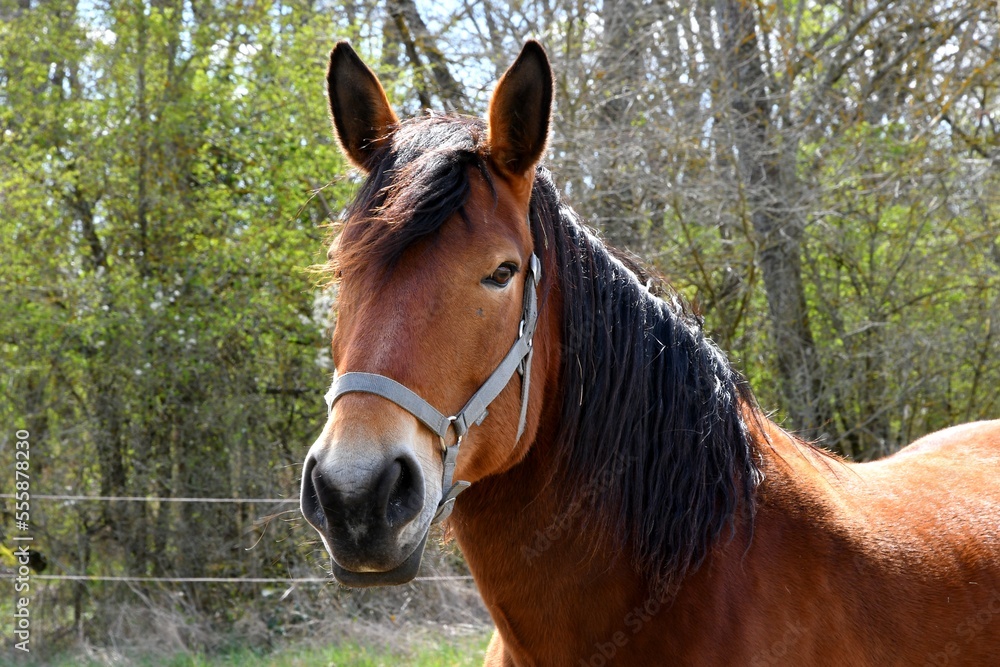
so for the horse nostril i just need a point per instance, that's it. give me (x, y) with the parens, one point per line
(321, 503)
(309, 499)
(401, 491)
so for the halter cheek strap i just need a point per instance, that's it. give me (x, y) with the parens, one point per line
(518, 359)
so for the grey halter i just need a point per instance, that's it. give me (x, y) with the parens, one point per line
(475, 410)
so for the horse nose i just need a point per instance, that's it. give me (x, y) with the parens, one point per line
(353, 504)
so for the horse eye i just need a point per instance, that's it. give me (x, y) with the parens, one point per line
(502, 275)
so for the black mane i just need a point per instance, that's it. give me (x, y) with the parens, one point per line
(647, 395)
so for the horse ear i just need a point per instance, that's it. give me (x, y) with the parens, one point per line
(362, 117)
(519, 112)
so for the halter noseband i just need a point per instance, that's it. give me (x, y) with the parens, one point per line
(475, 410)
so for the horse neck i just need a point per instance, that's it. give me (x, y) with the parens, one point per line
(529, 553)
(525, 535)
(520, 530)
(530, 539)
(552, 581)
(551, 578)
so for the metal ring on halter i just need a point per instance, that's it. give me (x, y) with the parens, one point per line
(451, 422)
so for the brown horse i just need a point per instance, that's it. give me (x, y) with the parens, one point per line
(631, 504)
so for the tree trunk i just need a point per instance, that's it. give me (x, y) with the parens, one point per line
(418, 41)
(766, 164)
(619, 71)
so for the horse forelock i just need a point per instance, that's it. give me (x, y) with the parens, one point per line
(418, 182)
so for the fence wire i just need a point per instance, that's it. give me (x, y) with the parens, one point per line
(195, 580)
(212, 580)
(153, 499)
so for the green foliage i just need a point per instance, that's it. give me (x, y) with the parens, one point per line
(903, 288)
(158, 333)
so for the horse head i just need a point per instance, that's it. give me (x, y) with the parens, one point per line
(437, 306)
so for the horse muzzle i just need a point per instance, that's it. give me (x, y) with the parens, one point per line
(373, 518)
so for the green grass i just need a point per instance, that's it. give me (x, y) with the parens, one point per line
(449, 652)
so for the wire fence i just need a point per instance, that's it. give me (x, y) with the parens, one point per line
(213, 580)
(179, 580)
(153, 499)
